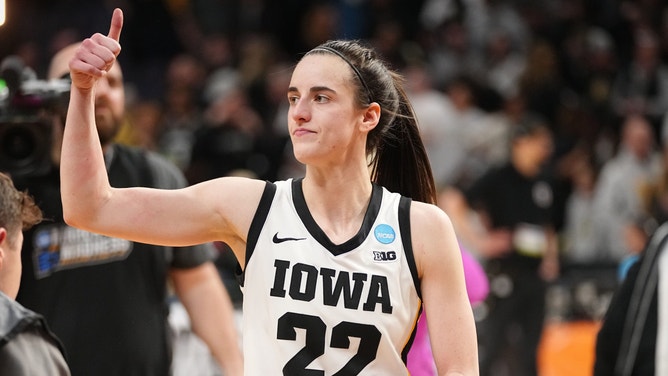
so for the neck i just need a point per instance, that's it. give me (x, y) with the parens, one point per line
(526, 167)
(338, 204)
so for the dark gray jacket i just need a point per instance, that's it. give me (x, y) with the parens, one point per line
(27, 346)
(626, 342)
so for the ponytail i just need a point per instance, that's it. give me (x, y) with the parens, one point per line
(400, 162)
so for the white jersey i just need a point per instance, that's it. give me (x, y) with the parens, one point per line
(312, 307)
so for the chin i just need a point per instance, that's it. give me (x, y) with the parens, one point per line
(306, 153)
(301, 158)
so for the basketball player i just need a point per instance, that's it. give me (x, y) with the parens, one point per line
(336, 268)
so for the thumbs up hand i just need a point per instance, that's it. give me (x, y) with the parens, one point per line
(97, 54)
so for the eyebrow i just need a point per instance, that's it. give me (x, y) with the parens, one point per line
(314, 89)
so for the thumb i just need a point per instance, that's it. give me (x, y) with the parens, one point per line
(116, 25)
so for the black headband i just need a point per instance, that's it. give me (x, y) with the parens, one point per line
(353, 67)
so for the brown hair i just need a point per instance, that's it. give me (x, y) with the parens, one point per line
(17, 209)
(398, 159)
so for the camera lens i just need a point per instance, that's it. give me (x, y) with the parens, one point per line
(24, 147)
(18, 144)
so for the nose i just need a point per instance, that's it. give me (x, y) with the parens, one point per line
(300, 111)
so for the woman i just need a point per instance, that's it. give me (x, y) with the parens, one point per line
(324, 258)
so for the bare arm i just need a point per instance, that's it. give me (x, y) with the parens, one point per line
(473, 234)
(203, 295)
(449, 313)
(549, 267)
(220, 209)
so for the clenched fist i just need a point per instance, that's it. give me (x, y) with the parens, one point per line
(97, 54)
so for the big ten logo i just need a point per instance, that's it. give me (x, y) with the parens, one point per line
(384, 255)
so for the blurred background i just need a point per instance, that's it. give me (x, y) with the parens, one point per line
(206, 83)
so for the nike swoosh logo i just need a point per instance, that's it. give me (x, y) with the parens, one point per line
(277, 240)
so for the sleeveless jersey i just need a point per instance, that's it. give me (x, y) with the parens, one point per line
(312, 307)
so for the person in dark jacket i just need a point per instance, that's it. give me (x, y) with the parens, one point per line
(27, 345)
(631, 341)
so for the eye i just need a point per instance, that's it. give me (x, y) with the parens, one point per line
(320, 98)
(293, 99)
(113, 81)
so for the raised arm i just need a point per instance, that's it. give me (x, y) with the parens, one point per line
(84, 181)
(449, 314)
(220, 209)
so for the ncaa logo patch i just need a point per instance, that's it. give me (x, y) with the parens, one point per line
(384, 233)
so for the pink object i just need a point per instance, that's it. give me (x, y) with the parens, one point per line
(420, 361)
(477, 285)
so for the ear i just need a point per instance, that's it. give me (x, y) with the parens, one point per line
(3, 245)
(371, 117)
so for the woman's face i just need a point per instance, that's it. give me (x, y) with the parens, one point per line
(323, 121)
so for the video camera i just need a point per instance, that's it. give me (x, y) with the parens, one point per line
(27, 107)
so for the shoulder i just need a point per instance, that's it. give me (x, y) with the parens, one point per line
(615, 170)
(431, 229)
(12, 314)
(427, 217)
(27, 346)
(237, 199)
(435, 244)
(33, 353)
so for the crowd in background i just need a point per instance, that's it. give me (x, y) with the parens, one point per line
(207, 84)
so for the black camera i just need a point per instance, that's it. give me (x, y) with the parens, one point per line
(27, 109)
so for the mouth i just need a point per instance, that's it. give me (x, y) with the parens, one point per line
(299, 132)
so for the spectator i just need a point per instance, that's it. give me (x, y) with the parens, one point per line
(653, 195)
(617, 203)
(541, 82)
(516, 240)
(641, 85)
(182, 112)
(27, 345)
(493, 149)
(502, 65)
(432, 111)
(580, 244)
(227, 141)
(453, 158)
(450, 55)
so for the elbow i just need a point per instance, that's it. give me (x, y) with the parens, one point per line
(72, 217)
(78, 214)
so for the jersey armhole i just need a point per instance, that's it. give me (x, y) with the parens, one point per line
(256, 226)
(405, 228)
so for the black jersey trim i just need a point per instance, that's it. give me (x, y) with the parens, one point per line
(256, 227)
(411, 339)
(405, 228)
(320, 236)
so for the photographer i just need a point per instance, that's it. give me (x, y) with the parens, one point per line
(106, 298)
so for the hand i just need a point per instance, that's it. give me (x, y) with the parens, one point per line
(635, 238)
(97, 54)
(496, 243)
